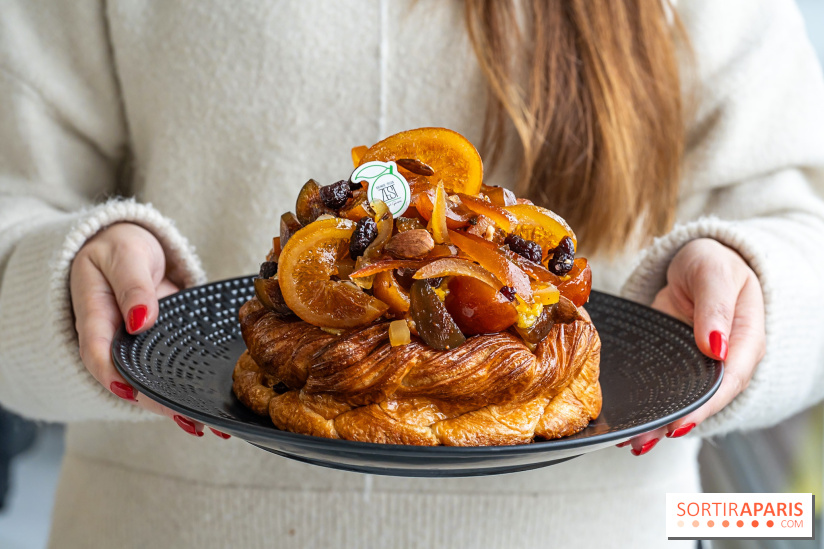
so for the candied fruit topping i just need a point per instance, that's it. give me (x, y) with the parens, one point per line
(366, 230)
(464, 258)
(307, 266)
(309, 205)
(528, 314)
(432, 321)
(562, 257)
(268, 269)
(415, 166)
(334, 196)
(508, 292)
(435, 282)
(399, 333)
(477, 307)
(524, 248)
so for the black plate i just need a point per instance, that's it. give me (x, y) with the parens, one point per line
(651, 374)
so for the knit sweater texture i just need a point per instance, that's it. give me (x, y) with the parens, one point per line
(220, 111)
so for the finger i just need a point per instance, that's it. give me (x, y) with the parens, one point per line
(133, 277)
(642, 444)
(666, 302)
(714, 295)
(166, 288)
(97, 319)
(220, 434)
(747, 347)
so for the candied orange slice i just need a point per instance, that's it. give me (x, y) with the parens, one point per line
(307, 264)
(453, 158)
(540, 225)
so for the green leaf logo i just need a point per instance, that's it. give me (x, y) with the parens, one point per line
(385, 183)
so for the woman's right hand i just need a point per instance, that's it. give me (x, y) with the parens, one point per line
(118, 275)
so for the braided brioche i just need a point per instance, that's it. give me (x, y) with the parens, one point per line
(492, 390)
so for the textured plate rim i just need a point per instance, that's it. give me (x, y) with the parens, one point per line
(240, 428)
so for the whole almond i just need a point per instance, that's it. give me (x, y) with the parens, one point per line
(410, 244)
(565, 312)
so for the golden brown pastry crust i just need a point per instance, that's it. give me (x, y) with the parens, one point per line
(492, 390)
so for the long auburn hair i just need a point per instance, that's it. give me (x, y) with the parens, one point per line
(592, 90)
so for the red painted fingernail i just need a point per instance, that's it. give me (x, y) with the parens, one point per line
(621, 445)
(137, 317)
(188, 425)
(126, 392)
(218, 433)
(681, 431)
(718, 345)
(648, 445)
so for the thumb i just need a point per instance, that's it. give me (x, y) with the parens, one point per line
(714, 296)
(134, 277)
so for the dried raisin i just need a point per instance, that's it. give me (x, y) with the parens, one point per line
(524, 248)
(508, 292)
(334, 196)
(366, 231)
(562, 257)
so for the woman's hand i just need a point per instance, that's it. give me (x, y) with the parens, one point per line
(710, 287)
(120, 274)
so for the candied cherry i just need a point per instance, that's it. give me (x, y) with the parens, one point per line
(578, 284)
(477, 307)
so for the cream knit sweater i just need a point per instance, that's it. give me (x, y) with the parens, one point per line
(223, 109)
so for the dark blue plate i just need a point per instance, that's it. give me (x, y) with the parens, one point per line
(651, 374)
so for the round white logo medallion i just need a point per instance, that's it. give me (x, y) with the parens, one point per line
(385, 183)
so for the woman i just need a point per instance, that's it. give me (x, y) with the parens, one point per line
(222, 110)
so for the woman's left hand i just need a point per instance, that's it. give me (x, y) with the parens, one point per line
(711, 287)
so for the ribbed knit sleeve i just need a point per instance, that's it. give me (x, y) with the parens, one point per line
(62, 139)
(41, 374)
(755, 182)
